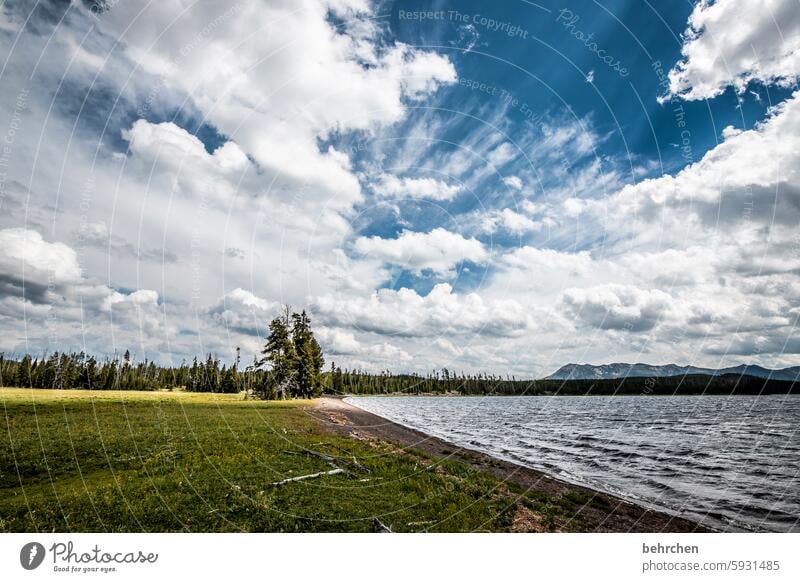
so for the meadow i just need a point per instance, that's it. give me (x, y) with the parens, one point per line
(113, 461)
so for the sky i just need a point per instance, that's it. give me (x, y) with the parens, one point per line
(501, 187)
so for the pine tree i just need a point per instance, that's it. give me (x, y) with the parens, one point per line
(318, 362)
(337, 382)
(309, 356)
(229, 385)
(24, 372)
(90, 374)
(279, 354)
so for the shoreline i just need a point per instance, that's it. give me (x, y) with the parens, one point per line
(609, 512)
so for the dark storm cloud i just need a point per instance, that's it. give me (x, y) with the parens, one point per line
(12, 286)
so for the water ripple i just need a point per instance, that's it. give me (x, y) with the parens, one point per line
(729, 462)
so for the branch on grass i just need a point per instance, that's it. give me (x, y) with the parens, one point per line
(311, 476)
(334, 461)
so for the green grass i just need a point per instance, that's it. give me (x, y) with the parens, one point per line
(161, 461)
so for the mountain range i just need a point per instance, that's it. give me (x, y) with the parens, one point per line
(621, 370)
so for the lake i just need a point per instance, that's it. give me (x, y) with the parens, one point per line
(730, 462)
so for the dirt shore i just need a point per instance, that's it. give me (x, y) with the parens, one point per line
(604, 512)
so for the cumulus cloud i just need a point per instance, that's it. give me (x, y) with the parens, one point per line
(751, 177)
(510, 221)
(97, 234)
(547, 271)
(245, 312)
(756, 343)
(700, 262)
(32, 269)
(47, 301)
(346, 79)
(170, 143)
(618, 307)
(734, 42)
(391, 186)
(25, 254)
(438, 250)
(137, 298)
(441, 312)
(166, 151)
(422, 72)
(718, 236)
(338, 342)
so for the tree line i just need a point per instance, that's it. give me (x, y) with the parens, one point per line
(81, 371)
(290, 367)
(445, 382)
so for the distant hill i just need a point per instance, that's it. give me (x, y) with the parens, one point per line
(619, 370)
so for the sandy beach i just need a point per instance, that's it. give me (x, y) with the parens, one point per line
(606, 512)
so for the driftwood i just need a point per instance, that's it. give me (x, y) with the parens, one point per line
(311, 476)
(334, 461)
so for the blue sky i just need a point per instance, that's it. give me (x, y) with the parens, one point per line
(503, 186)
(533, 62)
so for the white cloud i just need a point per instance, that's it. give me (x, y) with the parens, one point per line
(530, 207)
(422, 72)
(177, 161)
(391, 186)
(338, 342)
(573, 207)
(513, 182)
(734, 42)
(244, 312)
(140, 297)
(438, 250)
(46, 303)
(758, 168)
(575, 137)
(169, 143)
(25, 255)
(276, 78)
(248, 66)
(618, 307)
(708, 255)
(510, 221)
(405, 313)
(98, 235)
(501, 155)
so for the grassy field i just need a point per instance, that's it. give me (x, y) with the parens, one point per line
(161, 461)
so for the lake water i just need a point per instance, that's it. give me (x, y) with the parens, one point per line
(731, 463)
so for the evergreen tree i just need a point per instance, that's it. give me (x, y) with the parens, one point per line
(24, 372)
(309, 360)
(337, 383)
(89, 379)
(229, 385)
(279, 354)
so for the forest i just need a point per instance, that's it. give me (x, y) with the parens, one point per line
(448, 383)
(79, 371)
(291, 366)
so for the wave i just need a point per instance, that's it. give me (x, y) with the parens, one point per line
(684, 455)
